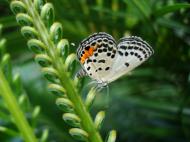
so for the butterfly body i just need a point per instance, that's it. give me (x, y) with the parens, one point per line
(105, 61)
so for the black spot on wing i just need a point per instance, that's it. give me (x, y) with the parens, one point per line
(95, 54)
(112, 56)
(131, 53)
(89, 60)
(88, 68)
(123, 47)
(99, 69)
(120, 53)
(93, 40)
(135, 43)
(102, 61)
(108, 54)
(136, 47)
(93, 43)
(87, 47)
(99, 50)
(126, 64)
(107, 68)
(99, 40)
(105, 45)
(111, 42)
(105, 50)
(130, 47)
(105, 40)
(110, 48)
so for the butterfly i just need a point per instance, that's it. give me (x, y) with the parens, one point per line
(104, 60)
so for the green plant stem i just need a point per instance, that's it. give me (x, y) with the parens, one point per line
(14, 109)
(66, 82)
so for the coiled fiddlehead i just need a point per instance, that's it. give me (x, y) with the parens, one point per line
(52, 54)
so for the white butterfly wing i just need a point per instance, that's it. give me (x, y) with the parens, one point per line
(98, 65)
(131, 52)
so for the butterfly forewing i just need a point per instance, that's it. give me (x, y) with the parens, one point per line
(98, 62)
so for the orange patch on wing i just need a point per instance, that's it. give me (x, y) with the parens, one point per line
(82, 59)
(87, 54)
(91, 50)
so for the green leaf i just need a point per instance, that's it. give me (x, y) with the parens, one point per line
(170, 8)
(13, 106)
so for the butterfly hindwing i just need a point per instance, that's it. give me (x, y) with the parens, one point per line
(131, 52)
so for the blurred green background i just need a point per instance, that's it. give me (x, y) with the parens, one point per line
(153, 103)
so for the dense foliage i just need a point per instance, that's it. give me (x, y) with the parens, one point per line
(150, 104)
